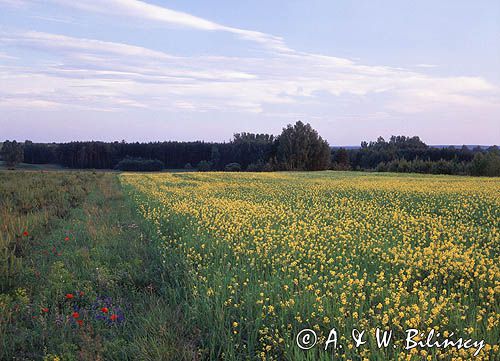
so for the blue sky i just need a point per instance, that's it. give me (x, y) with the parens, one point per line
(186, 70)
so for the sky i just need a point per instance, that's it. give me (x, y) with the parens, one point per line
(204, 70)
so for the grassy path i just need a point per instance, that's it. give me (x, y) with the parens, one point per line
(89, 283)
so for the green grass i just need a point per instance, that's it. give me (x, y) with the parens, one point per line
(28, 166)
(85, 239)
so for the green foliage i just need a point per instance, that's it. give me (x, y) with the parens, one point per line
(140, 165)
(341, 160)
(299, 147)
(411, 155)
(204, 166)
(232, 167)
(421, 166)
(12, 153)
(486, 164)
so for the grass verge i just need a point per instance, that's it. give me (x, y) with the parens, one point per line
(82, 277)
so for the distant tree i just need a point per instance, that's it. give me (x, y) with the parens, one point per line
(248, 148)
(486, 164)
(12, 153)
(232, 167)
(493, 162)
(215, 156)
(341, 160)
(299, 147)
(204, 166)
(188, 166)
(140, 165)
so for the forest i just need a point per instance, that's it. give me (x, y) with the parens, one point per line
(298, 147)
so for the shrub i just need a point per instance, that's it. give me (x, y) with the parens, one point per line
(140, 165)
(204, 166)
(254, 167)
(232, 167)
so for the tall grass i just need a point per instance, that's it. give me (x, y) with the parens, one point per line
(29, 202)
(86, 282)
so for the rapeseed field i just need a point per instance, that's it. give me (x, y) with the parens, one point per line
(265, 255)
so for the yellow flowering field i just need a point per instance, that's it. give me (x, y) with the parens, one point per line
(257, 257)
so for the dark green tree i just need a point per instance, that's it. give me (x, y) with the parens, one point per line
(341, 159)
(12, 153)
(204, 166)
(299, 147)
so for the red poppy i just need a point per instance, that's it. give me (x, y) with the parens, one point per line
(69, 296)
(75, 314)
(66, 239)
(113, 317)
(33, 317)
(104, 309)
(26, 234)
(80, 322)
(45, 309)
(81, 293)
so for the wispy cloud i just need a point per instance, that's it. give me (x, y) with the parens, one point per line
(7, 57)
(95, 73)
(70, 73)
(65, 44)
(14, 3)
(140, 9)
(426, 66)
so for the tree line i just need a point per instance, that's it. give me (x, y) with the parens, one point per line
(298, 147)
(411, 155)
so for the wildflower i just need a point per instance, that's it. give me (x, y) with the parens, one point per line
(113, 317)
(104, 309)
(69, 296)
(80, 322)
(75, 314)
(66, 238)
(81, 293)
(26, 234)
(45, 309)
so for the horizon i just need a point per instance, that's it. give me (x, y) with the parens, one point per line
(149, 70)
(347, 146)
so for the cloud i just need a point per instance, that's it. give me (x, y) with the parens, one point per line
(14, 3)
(82, 73)
(7, 57)
(140, 9)
(426, 66)
(94, 74)
(65, 44)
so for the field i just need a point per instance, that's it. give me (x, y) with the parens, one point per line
(232, 266)
(266, 255)
(80, 277)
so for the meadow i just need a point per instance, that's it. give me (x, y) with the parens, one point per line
(80, 275)
(260, 256)
(232, 266)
